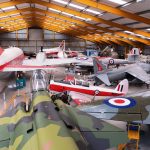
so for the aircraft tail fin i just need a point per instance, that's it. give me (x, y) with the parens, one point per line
(1, 50)
(98, 66)
(134, 55)
(123, 86)
(62, 54)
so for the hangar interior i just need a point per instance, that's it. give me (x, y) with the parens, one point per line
(37, 35)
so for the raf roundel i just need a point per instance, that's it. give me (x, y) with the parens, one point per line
(111, 61)
(120, 102)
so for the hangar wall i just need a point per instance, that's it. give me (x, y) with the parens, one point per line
(33, 39)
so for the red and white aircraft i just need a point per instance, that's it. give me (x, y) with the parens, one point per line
(83, 92)
(56, 51)
(12, 59)
(60, 52)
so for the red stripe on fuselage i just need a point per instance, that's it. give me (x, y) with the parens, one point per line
(16, 61)
(60, 88)
(51, 53)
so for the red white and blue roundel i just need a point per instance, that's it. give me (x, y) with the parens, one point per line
(120, 102)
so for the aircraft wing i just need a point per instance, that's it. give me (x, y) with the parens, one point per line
(104, 78)
(48, 123)
(128, 109)
(79, 98)
(10, 68)
(139, 73)
(50, 62)
(85, 63)
(96, 132)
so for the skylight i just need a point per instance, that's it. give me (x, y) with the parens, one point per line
(121, 2)
(76, 6)
(8, 8)
(54, 10)
(60, 1)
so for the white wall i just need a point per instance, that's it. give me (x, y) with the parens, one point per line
(38, 38)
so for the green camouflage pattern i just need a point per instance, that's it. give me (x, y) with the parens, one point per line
(55, 126)
(139, 113)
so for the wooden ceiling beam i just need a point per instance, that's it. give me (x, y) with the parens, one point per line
(10, 3)
(71, 27)
(113, 10)
(61, 28)
(147, 42)
(57, 30)
(86, 16)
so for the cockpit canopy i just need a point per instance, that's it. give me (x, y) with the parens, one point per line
(39, 80)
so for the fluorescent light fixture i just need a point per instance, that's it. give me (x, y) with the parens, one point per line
(88, 19)
(2, 27)
(54, 10)
(93, 11)
(60, 1)
(17, 14)
(76, 6)
(121, 2)
(4, 17)
(148, 29)
(126, 4)
(131, 38)
(101, 14)
(67, 14)
(79, 17)
(8, 8)
(139, 1)
(129, 32)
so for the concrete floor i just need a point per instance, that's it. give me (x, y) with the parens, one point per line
(6, 93)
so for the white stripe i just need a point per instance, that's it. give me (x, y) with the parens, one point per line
(126, 102)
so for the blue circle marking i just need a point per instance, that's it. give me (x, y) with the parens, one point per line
(131, 104)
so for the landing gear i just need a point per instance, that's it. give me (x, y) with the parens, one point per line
(62, 96)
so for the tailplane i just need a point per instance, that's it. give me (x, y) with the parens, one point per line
(123, 86)
(62, 54)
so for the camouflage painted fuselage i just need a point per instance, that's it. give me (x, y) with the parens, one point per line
(49, 126)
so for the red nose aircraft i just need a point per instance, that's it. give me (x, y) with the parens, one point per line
(82, 92)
